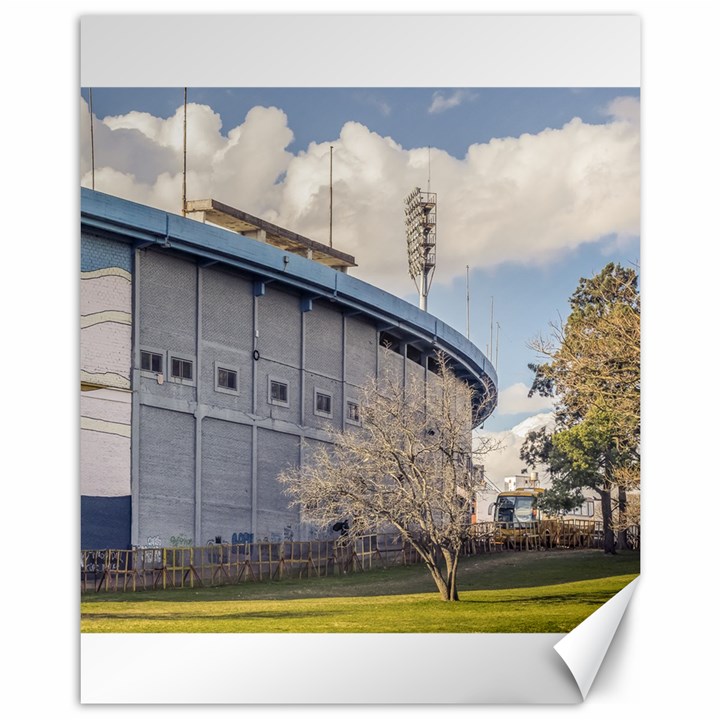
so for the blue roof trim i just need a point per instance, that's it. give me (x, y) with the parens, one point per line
(147, 225)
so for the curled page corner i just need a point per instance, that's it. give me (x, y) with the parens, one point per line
(583, 649)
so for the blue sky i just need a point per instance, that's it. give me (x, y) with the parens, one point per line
(317, 114)
(536, 187)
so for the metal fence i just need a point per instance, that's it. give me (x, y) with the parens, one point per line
(545, 534)
(223, 564)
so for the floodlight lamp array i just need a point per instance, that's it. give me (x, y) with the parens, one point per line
(420, 231)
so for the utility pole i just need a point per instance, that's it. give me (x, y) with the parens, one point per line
(331, 193)
(492, 311)
(467, 299)
(92, 139)
(184, 183)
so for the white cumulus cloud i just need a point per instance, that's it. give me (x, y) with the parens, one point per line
(514, 400)
(624, 108)
(381, 106)
(523, 200)
(506, 461)
(441, 102)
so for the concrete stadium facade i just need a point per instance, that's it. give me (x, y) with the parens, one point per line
(211, 361)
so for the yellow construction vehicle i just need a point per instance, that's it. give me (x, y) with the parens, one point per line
(519, 521)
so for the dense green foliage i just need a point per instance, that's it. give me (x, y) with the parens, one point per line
(593, 371)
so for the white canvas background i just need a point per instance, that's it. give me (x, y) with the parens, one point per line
(654, 662)
(365, 51)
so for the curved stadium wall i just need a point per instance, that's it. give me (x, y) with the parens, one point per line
(209, 361)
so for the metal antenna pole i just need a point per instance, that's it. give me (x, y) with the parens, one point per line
(92, 139)
(184, 183)
(492, 309)
(424, 291)
(467, 298)
(428, 169)
(331, 193)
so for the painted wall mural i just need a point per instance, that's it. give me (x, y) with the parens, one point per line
(105, 398)
(106, 328)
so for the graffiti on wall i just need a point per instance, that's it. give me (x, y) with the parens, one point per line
(97, 561)
(240, 538)
(180, 541)
(153, 554)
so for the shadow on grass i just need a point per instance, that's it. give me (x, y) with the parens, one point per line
(171, 617)
(502, 571)
(593, 599)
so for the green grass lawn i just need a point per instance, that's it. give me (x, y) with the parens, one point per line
(507, 592)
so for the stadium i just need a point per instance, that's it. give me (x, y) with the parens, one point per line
(215, 350)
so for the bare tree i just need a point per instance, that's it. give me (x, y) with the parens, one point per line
(409, 468)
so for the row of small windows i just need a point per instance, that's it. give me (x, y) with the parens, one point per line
(180, 368)
(226, 380)
(183, 369)
(279, 395)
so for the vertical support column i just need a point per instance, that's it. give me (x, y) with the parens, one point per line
(254, 481)
(258, 292)
(343, 410)
(255, 330)
(198, 477)
(303, 527)
(403, 348)
(135, 410)
(303, 328)
(199, 412)
(198, 215)
(426, 378)
(377, 354)
(424, 289)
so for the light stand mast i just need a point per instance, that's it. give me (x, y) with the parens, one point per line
(420, 222)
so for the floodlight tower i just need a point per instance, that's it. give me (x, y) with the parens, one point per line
(420, 221)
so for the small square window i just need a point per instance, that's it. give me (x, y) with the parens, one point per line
(323, 403)
(181, 369)
(150, 361)
(227, 378)
(278, 392)
(352, 411)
